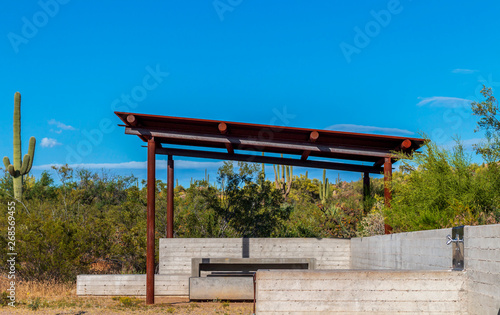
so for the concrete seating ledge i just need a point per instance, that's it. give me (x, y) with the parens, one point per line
(132, 285)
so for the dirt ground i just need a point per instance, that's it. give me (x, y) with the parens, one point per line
(108, 305)
(46, 298)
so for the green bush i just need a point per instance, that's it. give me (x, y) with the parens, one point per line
(439, 188)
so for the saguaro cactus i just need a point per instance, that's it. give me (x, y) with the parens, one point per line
(20, 167)
(324, 189)
(283, 180)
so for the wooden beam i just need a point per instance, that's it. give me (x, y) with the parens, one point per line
(223, 130)
(405, 145)
(313, 136)
(229, 148)
(269, 160)
(305, 155)
(242, 144)
(150, 223)
(132, 120)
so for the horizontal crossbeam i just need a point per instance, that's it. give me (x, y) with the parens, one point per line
(254, 144)
(270, 160)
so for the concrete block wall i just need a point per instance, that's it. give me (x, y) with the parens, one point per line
(422, 250)
(482, 262)
(427, 250)
(134, 285)
(176, 253)
(356, 291)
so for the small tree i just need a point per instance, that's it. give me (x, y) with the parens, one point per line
(249, 204)
(489, 121)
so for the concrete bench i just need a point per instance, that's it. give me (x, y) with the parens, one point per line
(232, 278)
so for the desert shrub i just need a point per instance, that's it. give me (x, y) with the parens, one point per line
(440, 188)
(341, 222)
(373, 223)
(4, 298)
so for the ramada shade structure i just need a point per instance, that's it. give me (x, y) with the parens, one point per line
(224, 140)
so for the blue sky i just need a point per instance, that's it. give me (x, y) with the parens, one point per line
(390, 67)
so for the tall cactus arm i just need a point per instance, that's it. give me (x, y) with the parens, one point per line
(6, 162)
(289, 183)
(31, 152)
(327, 193)
(12, 170)
(25, 165)
(276, 176)
(17, 130)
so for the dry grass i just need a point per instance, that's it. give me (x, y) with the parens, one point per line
(56, 298)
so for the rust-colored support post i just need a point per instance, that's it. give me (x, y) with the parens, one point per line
(150, 255)
(366, 185)
(387, 180)
(254, 290)
(170, 197)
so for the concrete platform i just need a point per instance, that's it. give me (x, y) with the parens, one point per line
(221, 288)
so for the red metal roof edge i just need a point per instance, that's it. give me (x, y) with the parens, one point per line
(419, 141)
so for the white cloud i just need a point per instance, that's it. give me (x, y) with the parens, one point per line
(160, 164)
(49, 143)
(368, 129)
(463, 71)
(444, 101)
(468, 144)
(60, 125)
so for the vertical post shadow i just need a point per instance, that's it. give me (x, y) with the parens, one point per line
(245, 248)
